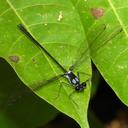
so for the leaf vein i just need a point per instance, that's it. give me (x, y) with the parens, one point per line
(118, 17)
(116, 58)
(5, 12)
(29, 6)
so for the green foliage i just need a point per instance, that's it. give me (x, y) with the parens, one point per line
(64, 28)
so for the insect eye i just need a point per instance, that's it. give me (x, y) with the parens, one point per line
(84, 84)
(77, 88)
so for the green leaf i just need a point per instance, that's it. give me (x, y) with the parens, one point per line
(57, 26)
(110, 60)
(113, 66)
(61, 27)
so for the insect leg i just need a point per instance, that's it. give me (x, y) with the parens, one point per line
(78, 75)
(59, 90)
(84, 73)
(70, 97)
(61, 84)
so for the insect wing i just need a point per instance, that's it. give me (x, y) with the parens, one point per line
(45, 82)
(104, 39)
(86, 52)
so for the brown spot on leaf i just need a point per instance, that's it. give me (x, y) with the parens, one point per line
(97, 12)
(14, 59)
(33, 59)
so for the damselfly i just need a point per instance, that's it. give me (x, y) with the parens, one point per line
(73, 79)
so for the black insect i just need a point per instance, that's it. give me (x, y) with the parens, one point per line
(73, 79)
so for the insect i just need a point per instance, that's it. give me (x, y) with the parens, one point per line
(73, 79)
